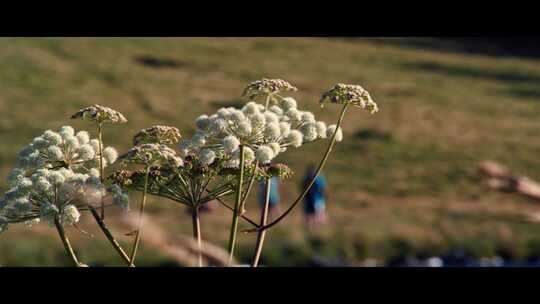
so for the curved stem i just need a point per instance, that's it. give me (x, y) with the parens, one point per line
(321, 165)
(262, 233)
(101, 167)
(232, 209)
(110, 237)
(197, 232)
(236, 212)
(248, 189)
(141, 215)
(66, 243)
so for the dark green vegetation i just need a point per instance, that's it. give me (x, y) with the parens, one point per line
(401, 182)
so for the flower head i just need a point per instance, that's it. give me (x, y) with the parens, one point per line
(157, 134)
(279, 170)
(151, 155)
(330, 132)
(100, 114)
(352, 94)
(50, 194)
(64, 148)
(267, 87)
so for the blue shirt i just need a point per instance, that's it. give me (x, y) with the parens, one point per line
(274, 191)
(315, 199)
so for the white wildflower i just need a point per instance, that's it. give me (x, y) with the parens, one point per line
(66, 131)
(307, 117)
(230, 143)
(71, 142)
(56, 178)
(276, 148)
(95, 145)
(70, 215)
(276, 110)
(272, 131)
(264, 154)
(244, 129)
(249, 155)
(86, 152)
(330, 132)
(53, 137)
(40, 142)
(321, 129)
(54, 153)
(207, 157)
(284, 128)
(295, 138)
(271, 117)
(202, 122)
(250, 108)
(110, 155)
(257, 120)
(309, 132)
(288, 103)
(83, 137)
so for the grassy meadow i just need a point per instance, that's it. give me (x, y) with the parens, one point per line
(403, 181)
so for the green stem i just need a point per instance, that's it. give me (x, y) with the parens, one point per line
(264, 216)
(197, 232)
(321, 165)
(65, 241)
(101, 167)
(236, 213)
(141, 215)
(110, 237)
(248, 190)
(232, 209)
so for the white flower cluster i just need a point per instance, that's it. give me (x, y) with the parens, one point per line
(151, 155)
(49, 194)
(264, 133)
(100, 114)
(64, 148)
(54, 175)
(350, 94)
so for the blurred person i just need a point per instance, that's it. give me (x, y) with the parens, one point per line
(205, 208)
(273, 203)
(315, 199)
(208, 207)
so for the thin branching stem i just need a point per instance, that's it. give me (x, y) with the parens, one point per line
(248, 189)
(141, 215)
(236, 212)
(321, 165)
(65, 241)
(264, 216)
(110, 237)
(101, 177)
(232, 209)
(197, 232)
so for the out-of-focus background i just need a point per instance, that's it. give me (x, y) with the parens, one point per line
(403, 185)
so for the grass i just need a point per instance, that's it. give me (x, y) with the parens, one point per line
(402, 182)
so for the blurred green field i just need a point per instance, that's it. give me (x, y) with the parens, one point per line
(401, 182)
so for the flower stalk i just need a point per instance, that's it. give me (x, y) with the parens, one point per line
(319, 168)
(197, 233)
(264, 216)
(237, 211)
(65, 241)
(140, 222)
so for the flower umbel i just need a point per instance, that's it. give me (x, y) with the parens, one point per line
(352, 94)
(151, 155)
(100, 114)
(157, 134)
(267, 87)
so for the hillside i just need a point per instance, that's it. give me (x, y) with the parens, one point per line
(402, 181)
